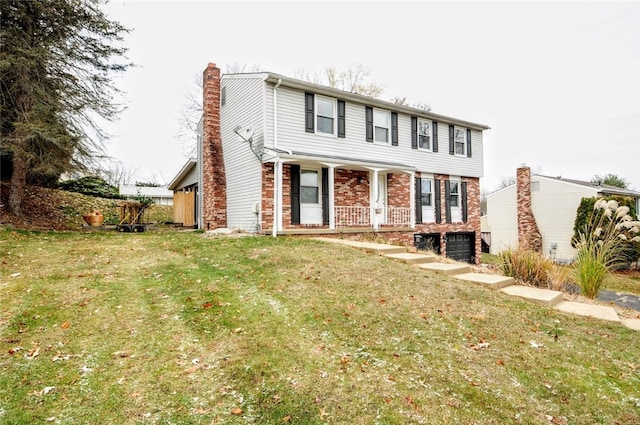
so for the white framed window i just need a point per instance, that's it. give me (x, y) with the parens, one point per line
(381, 126)
(454, 193)
(325, 115)
(424, 134)
(426, 192)
(459, 141)
(309, 187)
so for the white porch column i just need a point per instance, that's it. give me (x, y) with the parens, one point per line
(412, 199)
(278, 183)
(276, 203)
(332, 212)
(374, 193)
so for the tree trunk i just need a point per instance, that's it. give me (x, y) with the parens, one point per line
(18, 184)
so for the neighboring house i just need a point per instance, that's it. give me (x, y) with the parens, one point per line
(185, 195)
(284, 156)
(160, 195)
(540, 211)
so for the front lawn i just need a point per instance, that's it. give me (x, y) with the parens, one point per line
(172, 327)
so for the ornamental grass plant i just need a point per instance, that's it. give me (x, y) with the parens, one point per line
(605, 244)
(526, 266)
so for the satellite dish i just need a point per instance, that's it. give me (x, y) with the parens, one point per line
(245, 133)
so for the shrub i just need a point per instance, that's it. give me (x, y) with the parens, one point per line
(92, 186)
(605, 243)
(527, 266)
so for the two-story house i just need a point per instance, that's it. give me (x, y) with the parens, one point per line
(279, 156)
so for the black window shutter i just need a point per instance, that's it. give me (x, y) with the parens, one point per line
(369, 120)
(295, 194)
(452, 148)
(469, 142)
(394, 129)
(463, 196)
(447, 201)
(414, 133)
(309, 113)
(325, 196)
(418, 200)
(435, 136)
(341, 119)
(436, 183)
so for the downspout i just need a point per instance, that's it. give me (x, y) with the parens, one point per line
(276, 164)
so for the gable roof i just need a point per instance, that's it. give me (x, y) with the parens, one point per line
(603, 189)
(186, 169)
(285, 81)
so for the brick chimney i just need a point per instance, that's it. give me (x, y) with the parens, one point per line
(529, 236)
(214, 190)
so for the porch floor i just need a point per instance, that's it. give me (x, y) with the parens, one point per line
(338, 231)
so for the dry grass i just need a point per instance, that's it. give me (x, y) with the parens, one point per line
(166, 327)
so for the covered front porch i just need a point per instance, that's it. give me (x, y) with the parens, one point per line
(314, 195)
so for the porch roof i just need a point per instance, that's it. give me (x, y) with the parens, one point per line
(337, 161)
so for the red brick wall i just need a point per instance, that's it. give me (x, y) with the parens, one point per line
(473, 217)
(267, 211)
(348, 189)
(398, 190)
(214, 190)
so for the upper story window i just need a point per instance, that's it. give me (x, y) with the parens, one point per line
(426, 192)
(381, 126)
(454, 193)
(459, 140)
(424, 134)
(325, 115)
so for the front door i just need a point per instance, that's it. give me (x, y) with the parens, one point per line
(381, 201)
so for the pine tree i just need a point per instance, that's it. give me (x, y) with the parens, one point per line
(57, 61)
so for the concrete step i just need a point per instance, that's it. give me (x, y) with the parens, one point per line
(446, 268)
(411, 258)
(539, 295)
(633, 324)
(493, 281)
(368, 246)
(590, 310)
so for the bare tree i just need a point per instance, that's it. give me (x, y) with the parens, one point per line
(191, 111)
(402, 100)
(354, 79)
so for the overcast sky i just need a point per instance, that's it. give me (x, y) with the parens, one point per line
(557, 82)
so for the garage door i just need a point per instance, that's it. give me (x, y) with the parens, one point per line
(461, 246)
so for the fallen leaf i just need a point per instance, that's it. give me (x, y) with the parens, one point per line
(236, 411)
(14, 275)
(500, 362)
(15, 350)
(207, 305)
(286, 418)
(65, 325)
(34, 352)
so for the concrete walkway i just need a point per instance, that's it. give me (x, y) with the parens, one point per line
(462, 271)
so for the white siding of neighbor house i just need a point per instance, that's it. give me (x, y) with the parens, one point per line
(244, 107)
(292, 136)
(190, 179)
(555, 205)
(502, 219)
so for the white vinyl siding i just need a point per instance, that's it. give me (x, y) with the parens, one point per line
(292, 136)
(554, 205)
(502, 219)
(245, 105)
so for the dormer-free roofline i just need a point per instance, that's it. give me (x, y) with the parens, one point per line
(294, 83)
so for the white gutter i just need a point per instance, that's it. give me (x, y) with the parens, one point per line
(276, 164)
